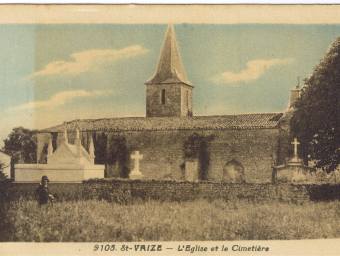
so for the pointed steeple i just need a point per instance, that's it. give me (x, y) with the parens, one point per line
(65, 134)
(170, 68)
(91, 150)
(77, 142)
(49, 148)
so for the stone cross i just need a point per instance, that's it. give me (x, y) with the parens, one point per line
(136, 157)
(295, 143)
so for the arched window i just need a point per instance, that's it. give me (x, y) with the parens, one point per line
(233, 172)
(163, 96)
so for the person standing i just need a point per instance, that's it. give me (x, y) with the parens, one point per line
(42, 192)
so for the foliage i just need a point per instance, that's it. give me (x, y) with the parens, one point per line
(21, 144)
(196, 147)
(112, 150)
(170, 221)
(316, 121)
(118, 153)
(100, 144)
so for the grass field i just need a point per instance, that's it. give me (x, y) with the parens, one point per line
(159, 221)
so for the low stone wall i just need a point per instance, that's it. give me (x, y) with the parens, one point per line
(118, 190)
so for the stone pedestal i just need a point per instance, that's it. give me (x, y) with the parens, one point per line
(191, 170)
(135, 175)
(294, 171)
(295, 161)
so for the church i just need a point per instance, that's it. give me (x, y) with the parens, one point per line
(176, 144)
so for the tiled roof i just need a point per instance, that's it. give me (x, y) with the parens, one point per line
(243, 121)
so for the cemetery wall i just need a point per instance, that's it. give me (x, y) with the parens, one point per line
(163, 151)
(119, 190)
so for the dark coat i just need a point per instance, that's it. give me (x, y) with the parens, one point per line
(43, 195)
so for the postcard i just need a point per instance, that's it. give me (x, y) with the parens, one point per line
(170, 130)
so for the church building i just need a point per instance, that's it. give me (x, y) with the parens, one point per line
(175, 143)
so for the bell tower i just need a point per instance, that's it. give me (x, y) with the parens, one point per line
(294, 95)
(168, 92)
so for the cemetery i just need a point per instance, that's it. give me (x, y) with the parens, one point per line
(142, 178)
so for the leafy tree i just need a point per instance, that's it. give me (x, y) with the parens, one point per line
(118, 153)
(316, 120)
(196, 147)
(100, 144)
(21, 144)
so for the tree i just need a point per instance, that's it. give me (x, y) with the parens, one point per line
(21, 144)
(118, 153)
(316, 120)
(196, 147)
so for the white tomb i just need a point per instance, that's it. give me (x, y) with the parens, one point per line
(68, 163)
(5, 161)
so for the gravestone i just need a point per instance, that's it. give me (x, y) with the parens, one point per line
(294, 170)
(136, 173)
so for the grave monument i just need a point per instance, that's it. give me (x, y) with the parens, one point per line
(294, 170)
(68, 163)
(136, 173)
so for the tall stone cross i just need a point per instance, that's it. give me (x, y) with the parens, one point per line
(295, 143)
(136, 157)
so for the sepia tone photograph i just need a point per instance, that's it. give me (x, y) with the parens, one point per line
(168, 129)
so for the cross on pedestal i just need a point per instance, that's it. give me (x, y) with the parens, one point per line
(135, 173)
(295, 143)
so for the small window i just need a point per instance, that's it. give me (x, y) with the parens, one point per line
(163, 97)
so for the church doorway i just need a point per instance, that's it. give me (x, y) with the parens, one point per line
(233, 172)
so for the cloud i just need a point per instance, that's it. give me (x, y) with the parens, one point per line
(254, 69)
(85, 61)
(60, 98)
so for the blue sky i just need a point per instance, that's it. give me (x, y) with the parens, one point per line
(54, 73)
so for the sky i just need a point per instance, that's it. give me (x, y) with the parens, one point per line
(55, 73)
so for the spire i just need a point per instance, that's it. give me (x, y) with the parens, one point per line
(49, 148)
(91, 150)
(65, 134)
(77, 134)
(170, 68)
(78, 142)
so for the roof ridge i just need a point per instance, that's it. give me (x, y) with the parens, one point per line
(235, 121)
(172, 117)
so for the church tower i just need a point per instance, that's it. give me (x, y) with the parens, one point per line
(168, 92)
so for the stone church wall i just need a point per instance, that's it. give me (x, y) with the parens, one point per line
(163, 151)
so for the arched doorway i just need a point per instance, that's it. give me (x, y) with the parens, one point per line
(233, 172)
